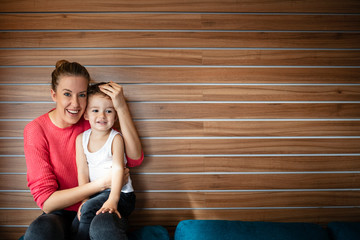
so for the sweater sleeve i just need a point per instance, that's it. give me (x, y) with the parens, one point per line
(135, 162)
(40, 176)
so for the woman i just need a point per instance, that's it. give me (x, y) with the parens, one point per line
(49, 145)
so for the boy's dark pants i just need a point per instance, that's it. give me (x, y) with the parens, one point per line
(88, 211)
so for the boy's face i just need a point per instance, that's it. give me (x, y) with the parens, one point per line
(100, 112)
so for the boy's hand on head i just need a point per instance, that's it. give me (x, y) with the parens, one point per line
(110, 207)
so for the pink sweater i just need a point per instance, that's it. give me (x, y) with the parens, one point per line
(51, 157)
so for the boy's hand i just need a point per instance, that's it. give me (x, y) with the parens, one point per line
(110, 207)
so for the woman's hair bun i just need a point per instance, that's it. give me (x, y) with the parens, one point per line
(60, 63)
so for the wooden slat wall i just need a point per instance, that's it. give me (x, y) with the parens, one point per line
(247, 110)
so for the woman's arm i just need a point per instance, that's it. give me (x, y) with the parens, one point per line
(41, 177)
(132, 142)
(63, 198)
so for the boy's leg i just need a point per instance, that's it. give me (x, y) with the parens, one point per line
(126, 204)
(110, 226)
(55, 225)
(88, 212)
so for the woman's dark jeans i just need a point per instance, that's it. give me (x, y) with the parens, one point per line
(62, 224)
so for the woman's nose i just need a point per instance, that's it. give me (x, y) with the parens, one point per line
(75, 101)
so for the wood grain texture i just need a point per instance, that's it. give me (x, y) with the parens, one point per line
(216, 200)
(221, 181)
(180, 21)
(17, 200)
(208, 128)
(246, 199)
(221, 146)
(230, 164)
(179, 39)
(178, 57)
(325, 6)
(172, 217)
(144, 93)
(248, 164)
(317, 215)
(11, 233)
(188, 68)
(209, 74)
(150, 110)
(246, 128)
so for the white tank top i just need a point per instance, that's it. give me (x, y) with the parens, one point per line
(100, 162)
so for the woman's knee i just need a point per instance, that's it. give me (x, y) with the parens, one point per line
(45, 227)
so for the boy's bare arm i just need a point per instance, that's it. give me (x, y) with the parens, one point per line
(81, 163)
(117, 177)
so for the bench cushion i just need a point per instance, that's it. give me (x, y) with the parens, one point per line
(241, 230)
(344, 230)
(150, 233)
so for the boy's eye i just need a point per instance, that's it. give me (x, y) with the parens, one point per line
(95, 110)
(108, 111)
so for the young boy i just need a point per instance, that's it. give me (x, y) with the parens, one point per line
(100, 151)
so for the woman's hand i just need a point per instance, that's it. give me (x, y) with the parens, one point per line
(106, 180)
(79, 210)
(116, 93)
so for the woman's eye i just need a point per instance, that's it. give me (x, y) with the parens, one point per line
(67, 94)
(82, 95)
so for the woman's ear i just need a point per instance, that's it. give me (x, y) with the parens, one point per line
(53, 95)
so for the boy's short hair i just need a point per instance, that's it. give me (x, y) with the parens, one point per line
(94, 89)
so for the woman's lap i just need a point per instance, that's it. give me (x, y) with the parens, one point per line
(58, 226)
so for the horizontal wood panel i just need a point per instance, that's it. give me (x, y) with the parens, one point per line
(201, 93)
(180, 39)
(250, 146)
(247, 199)
(282, 57)
(176, 57)
(172, 217)
(216, 200)
(205, 110)
(191, 75)
(226, 146)
(251, 128)
(12, 164)
(223, 164)
(248, 164)
(17, 200)
(11, 233)
(242, 128)
(221, 181)
(317, 215)
(325, 6)
(242, 111)
(181, 21)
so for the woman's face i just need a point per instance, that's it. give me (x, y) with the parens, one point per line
(70, 97)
